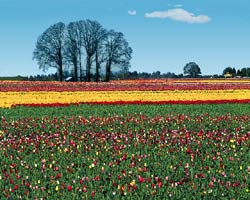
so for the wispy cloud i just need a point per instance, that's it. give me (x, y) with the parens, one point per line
(132, 12)
(179, 14)
(178, 5)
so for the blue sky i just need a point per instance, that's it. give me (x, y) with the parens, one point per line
(164, 34)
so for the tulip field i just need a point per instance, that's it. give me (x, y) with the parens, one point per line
(144, 139)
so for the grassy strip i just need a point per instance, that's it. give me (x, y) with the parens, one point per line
(104, 110)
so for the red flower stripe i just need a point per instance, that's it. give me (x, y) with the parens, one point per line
(120, 86)
(242, 101)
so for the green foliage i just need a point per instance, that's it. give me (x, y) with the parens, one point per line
(125, 152)
(14, 78)
(245, 72)
(229, 70)
(104, 110)
(192, 69)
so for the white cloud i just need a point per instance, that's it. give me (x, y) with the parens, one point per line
(178, 5)
(179, 14)
(132, 12)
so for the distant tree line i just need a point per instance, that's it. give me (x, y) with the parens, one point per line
(85, 46)
(147, 75)
(243, 72)
(191, 69)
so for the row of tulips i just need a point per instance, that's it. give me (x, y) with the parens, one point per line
(126, 156)
(138, 85)
(9, 99)
(212, 102)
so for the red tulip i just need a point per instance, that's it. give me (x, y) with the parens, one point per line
(69, 188)
(16, 187)
(58, 176)
(159, 184)
(141, 179)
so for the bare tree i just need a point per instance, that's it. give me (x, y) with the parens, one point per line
(49, 48)
(59, 44)
(99, 54)
(92, 36)
(117, 52)
(73, 48)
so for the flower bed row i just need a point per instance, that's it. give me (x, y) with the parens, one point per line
(125, 156)
(138, 85)
(243, 101)
(9, 99)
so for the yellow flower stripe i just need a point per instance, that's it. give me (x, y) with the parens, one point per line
(12, 98)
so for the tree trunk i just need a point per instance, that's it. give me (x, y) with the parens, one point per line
(97, 68)
(60, 65)
(108, 70)
(80, 64)
(88, 65)
(75, 69)
(60, 73)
